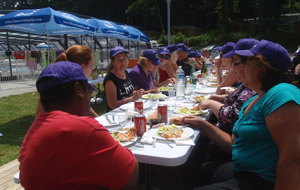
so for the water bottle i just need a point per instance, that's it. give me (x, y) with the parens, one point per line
(180, 76)
(180, 82)
(208, 67)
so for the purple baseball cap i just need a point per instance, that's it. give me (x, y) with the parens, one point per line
(297, 53)
(60, 73)
(274, 53)
(152, 56)
(172, 48)
(117, 50)
(218, 48)
(182, 47)
(194, 54)
(243, 45)
(163, 51)
(227, 48)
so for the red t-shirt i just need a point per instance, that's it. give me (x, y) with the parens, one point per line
(163, 75)
(64, 151)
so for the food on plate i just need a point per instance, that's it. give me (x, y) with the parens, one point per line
(212, 84)
(153, 96)
(177, 120)
(199, 98)
(123, 136)
(189, 111)
(164, 88)
(170, 131)
(212, 79)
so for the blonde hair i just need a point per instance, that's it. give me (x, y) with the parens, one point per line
(142, 60)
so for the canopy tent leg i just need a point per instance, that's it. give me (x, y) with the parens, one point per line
(8, 53)
(66, 41)
(97, 43)
(29, 42)
(107, 50)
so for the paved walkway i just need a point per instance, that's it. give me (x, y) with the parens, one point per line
(8, 88)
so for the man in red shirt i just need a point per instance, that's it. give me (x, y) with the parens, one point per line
(66, 149)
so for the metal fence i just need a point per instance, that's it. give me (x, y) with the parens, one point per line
(16, 61)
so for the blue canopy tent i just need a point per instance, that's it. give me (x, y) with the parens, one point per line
(135, 34)
(107, 28)
(143, 36)
(45, 21)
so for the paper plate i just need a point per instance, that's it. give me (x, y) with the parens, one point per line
(205, 90)
(154, 96)
(107, 119)
(130, 106)
(177, 111)
(129, 142)
(195, 100)
(187, 132)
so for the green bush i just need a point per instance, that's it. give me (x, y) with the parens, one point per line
(207, 38)
(286, 37)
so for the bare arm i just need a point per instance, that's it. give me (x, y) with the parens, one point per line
(214, 106)
(220, 138)
(111, 95)
(229, 80)
(170, 69)
(132, 182)
(219, 98)
(165, 83)
(284, 126)
(198, 65)
(93, 113)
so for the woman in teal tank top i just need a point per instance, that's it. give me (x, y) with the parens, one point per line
(265, 142)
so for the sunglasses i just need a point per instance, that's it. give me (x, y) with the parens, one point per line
(164, 56)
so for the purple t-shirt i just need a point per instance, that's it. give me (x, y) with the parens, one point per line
(139, 79)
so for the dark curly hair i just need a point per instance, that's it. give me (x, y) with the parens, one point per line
(272, 75)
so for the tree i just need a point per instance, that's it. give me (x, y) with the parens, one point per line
(268, 13)
(145, 13)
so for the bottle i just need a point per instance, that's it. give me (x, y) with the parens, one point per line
(180, 76)
(208, 67)
(203, 69)
(187, 80)
(193, 70)
(180, 82)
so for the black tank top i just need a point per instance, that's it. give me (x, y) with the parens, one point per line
(124, 86)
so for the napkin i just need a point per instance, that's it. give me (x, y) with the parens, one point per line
(147, 138)
(187, 141)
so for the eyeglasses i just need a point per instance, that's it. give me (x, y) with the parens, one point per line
(164, 56)
(121, 60)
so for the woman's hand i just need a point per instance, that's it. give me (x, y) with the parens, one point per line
(218, 98)
(172, 80)
(154, 90)
(205, 104)
(193, 121)
(137, 94)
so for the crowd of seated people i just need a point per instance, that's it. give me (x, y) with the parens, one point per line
(248, 147)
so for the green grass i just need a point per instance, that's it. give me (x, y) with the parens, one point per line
(16, 115)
